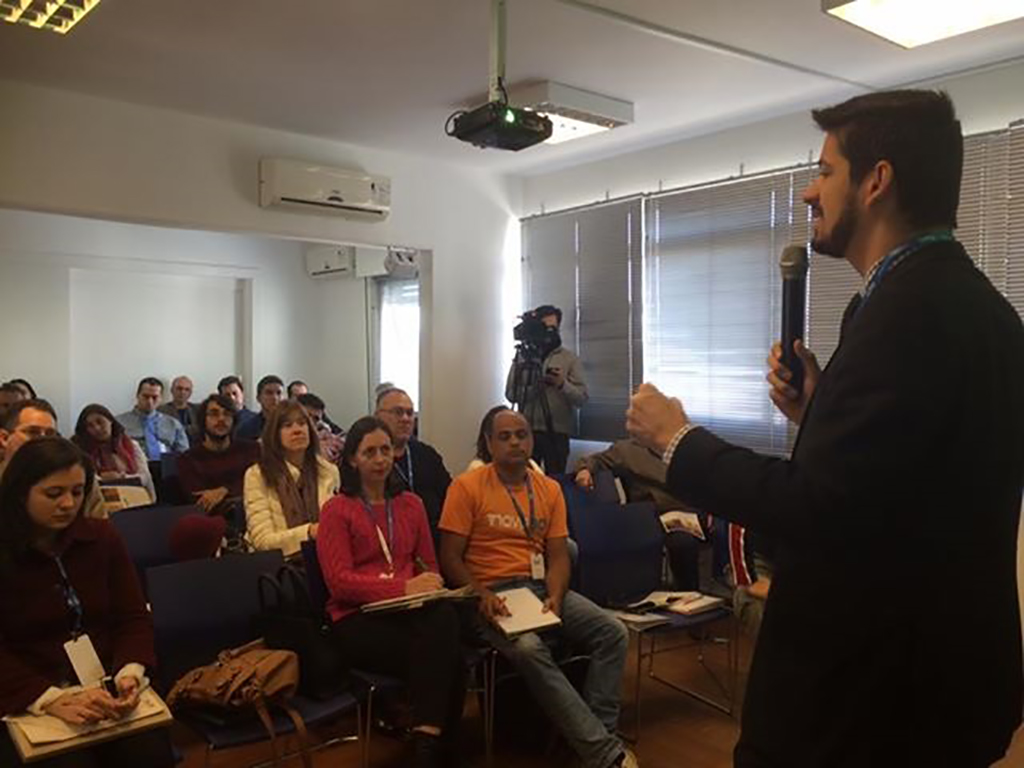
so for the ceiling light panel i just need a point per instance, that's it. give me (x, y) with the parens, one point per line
(911, 23)
(56, 15)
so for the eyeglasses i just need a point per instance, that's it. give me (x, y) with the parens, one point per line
(398, 412)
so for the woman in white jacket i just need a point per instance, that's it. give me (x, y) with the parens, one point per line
(286, 489)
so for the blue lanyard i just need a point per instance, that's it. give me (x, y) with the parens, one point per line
(529, 531)
(406, 476)
(71, 599)
(387, 544)
(897, 255)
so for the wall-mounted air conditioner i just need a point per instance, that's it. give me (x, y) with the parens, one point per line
(331, 261)
(320, 189)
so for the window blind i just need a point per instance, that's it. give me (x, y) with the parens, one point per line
(712, 300)
(587, 263)
(400, 334)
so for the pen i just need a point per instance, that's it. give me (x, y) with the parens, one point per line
(421, 564)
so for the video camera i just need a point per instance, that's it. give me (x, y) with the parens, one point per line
(535, 339)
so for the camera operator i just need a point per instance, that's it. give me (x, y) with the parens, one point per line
(546, 384)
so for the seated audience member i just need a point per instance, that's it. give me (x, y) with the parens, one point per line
(212, 471)
(9, 395)
(27, 390)
(286, 489)
(114, 455)
(642, 472)
(30, 420)
(269, 394)
(483, 453)
(232, 387)
(181, 408)
(374, 544)
(297, 388)
(62, 577)
(504, 525)
(197, 537)
(156, 432)
(418, 466)
(331, 443)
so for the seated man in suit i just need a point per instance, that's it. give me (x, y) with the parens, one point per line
(504, 525)
(156, 432)
(181, 407)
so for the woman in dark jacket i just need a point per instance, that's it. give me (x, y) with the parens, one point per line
(64, 577)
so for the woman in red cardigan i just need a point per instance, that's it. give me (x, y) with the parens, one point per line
(374, 543)
(64, 577)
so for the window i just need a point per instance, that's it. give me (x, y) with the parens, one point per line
(712, 301)
(587, 263)
(399, 350)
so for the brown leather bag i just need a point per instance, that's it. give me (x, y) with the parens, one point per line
(250, 677)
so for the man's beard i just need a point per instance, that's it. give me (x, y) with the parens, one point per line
(838, 240)
(218, 439)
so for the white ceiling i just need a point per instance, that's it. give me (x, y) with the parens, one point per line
(386, 73)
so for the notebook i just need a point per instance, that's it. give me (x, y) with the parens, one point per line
(410, 602)
(527, 613)
(690, 606)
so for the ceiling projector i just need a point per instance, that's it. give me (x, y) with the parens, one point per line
(498, 125)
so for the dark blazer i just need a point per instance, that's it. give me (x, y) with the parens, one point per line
(430, 480)
(891, 636)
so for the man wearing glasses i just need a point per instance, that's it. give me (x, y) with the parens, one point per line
(418, 466)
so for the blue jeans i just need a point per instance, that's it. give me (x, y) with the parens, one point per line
(587, 722)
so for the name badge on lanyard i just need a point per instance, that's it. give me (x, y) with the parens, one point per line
(537, 566)
(385, 542)
(79, 649)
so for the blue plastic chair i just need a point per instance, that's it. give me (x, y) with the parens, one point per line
(146, 532)
(202, 607)
(620, 548)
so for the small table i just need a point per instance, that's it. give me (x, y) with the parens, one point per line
(676, 622)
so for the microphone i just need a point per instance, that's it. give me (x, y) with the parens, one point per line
(793, 265)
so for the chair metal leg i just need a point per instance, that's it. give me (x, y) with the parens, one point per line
(369, 725)
(490, 693)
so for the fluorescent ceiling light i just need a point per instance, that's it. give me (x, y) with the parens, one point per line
(915, 22)
(56, 15)
(574, 113)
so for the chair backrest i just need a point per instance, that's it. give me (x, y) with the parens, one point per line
(620, 549)
(318, 592)
(146, 532)
(202, 607)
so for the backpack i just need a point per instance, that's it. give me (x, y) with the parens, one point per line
(252, 677)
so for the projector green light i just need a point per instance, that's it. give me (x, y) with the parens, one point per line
(510, 116)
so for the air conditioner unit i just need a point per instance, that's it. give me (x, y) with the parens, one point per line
(317, 188)
(331, 261)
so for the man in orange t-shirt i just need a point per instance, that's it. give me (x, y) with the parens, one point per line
(504, 526)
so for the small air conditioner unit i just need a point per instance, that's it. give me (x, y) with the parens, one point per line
(331, 261)
(317, 188)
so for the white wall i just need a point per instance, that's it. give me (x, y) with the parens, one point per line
(68, 153)
(63, 278)
(985, 101)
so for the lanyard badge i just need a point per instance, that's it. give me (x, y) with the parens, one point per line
(531, 529)
(385, 543)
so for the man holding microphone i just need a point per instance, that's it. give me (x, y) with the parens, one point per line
(891, 636)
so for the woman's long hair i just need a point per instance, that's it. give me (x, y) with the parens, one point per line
(119, 445)
(486, 429)
(31, 464)
(299, 500)
(351, 482)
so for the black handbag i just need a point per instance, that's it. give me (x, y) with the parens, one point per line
(288, 620)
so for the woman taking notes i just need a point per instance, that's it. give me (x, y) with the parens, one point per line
(69, 596)
(375, 544)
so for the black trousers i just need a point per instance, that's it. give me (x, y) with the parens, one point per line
(551, 450)
(421, 646)
(151, 749)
